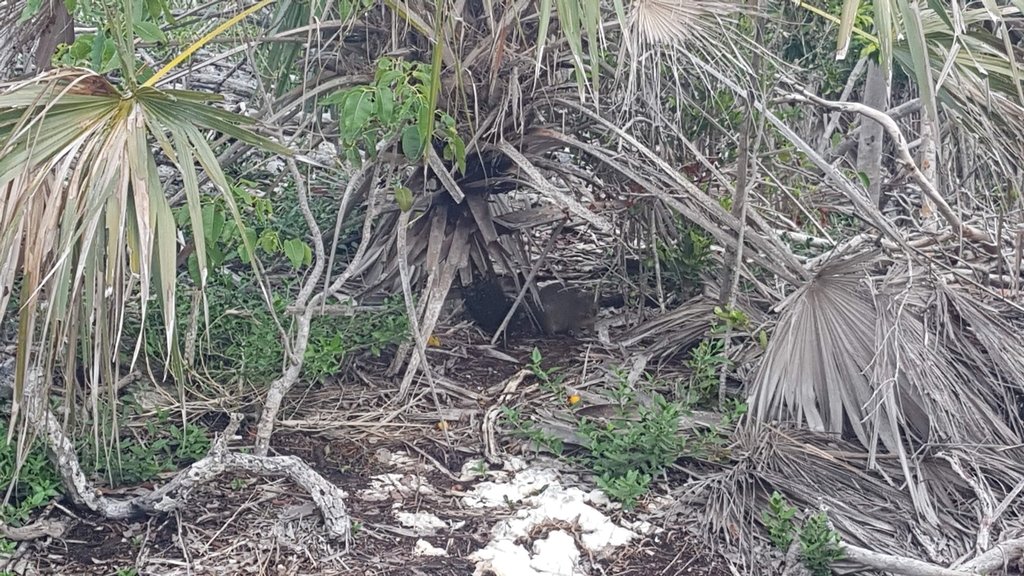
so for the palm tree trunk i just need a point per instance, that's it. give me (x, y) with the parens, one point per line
(869, 149)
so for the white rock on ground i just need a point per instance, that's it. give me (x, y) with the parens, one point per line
(423, 523)
(424, 548)
(542, 499)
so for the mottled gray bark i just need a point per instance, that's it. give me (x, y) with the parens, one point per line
(869, 147)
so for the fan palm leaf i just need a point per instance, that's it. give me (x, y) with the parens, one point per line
(675, 21)
(892, 362)
(84, 215)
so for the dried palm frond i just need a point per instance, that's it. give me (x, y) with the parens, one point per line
(825, 336)
(870, 508)
(885, 361)
(676, 21)
(810, 470)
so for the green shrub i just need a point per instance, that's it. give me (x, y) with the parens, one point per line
(162, 447)
(820, 545)
(778, 521)
(626, 451)
(37, 482)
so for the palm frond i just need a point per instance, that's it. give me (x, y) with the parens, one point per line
(84, 211)
(875, 359)
(814, 471)
(670, 22)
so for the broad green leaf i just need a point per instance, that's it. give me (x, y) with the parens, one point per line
(412, 146)
(460, 150)
(403, 197)
(149, 32)
(371, 143)
(389, 78)
(336, 99)
(423, 124)
(247, 235)
(269, 241)
(295, 251)
(215, 256)
(345, 9)
(353, 157)
(154, 8)
(193, 269)
(99, 45)
(351, 118)
(385, 105)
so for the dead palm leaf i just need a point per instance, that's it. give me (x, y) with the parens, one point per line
(669, 22)
(855, 355)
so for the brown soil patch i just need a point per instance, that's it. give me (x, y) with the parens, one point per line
(242, 525)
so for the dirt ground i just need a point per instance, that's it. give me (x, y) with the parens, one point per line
(244, 525)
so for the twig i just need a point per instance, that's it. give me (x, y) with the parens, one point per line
(33, 531)
(527, 282)
(419, 338)
(900, 564)
(866, 210)
(907, 161)
(280, 386)
(833, 119)
(986, 501)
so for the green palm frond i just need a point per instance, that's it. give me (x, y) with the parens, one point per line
(84, 216)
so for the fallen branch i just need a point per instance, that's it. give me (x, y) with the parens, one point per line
(220, 460)
(40, 529)
(992, 560)
(328, 497)
(907, 160)
(996, 558)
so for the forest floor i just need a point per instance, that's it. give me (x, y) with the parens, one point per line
(390, 474)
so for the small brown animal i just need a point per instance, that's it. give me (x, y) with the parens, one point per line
(565, 310)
